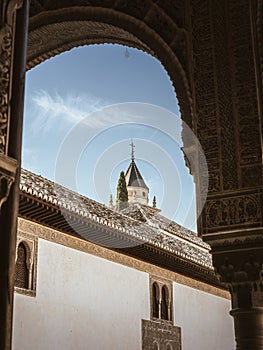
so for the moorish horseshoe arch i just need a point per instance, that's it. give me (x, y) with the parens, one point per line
(97, 25)
(60, 30)
(212, 51)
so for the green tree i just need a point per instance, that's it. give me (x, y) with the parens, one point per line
(122, 193)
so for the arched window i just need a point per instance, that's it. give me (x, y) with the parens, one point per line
(164, 303)
(155, 300)
(21, 271)
(169, 347)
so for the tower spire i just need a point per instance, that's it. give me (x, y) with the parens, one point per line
(132, 149)
(137, 188)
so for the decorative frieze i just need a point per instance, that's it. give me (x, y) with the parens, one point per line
(32, 228)
(226, 119)
(245, 91)
(232, 211)
(160, 335)
(204, 80)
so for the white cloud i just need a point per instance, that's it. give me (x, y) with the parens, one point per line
(48, 111)
(53, 110)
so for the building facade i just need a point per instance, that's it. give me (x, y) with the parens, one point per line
(152, 287)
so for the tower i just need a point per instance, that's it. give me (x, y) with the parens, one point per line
(137, 189)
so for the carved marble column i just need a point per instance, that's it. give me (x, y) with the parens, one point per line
(13, 43)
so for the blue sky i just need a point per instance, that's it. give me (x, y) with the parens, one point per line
(81, 110)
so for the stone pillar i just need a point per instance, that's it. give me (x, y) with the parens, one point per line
(242, 275)
(248, 328)
(13, 44)
(247, 303)
(227, 81)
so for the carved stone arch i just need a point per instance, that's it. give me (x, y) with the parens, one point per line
(158, 289)
(59, 30)
(165, 301)
(156, 345)
(28, 247)
(155, 299)
(168, 346)
(167, 294)
(21, 269)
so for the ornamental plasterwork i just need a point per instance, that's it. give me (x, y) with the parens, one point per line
(30, 242)
(59, 37)
(39, 231)
(162, 334)
(7, 20)
(236, 210)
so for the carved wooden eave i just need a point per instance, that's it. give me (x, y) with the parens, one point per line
(55, 206)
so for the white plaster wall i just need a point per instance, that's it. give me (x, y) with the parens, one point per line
(83, 302)
(204, 319)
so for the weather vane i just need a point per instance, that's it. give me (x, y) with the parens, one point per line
(132, 149)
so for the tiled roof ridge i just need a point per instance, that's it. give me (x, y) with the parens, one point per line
(126, 225)
(187, 234)
(63, 188)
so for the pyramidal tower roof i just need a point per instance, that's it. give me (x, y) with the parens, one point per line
(133, 176)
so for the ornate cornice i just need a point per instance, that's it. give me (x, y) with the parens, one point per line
(55, 236)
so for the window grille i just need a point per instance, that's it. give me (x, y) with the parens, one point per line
(21, 271)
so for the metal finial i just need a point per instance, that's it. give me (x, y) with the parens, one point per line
(132, 149)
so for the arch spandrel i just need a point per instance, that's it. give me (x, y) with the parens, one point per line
(142, 25)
